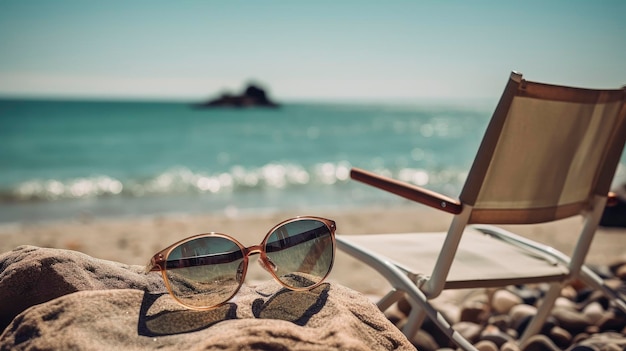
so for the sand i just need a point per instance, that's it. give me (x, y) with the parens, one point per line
(92, 295)
(134, 240)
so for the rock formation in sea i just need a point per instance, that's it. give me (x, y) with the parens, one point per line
(252, 96)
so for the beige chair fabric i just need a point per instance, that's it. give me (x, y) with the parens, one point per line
(479, 259)
(543, 156)
(549, 152)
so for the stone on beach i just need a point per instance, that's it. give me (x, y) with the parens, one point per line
(496, 319)
(503, 300)
(60, 299)
(31, 275)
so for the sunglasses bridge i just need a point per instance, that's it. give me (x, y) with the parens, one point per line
(158, 261)
(264, 261)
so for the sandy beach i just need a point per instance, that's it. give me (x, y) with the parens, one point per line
(69, 290)
(135, 240)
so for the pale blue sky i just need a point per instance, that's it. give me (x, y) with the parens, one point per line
(371, 50)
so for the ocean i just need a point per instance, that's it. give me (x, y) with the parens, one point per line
(69, 159)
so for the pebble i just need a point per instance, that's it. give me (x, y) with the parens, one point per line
(510, 346)
(424, 341)
(612, 322)
(528, 296)
(495, 319)
(602, 339)
(565, 303)
(504, 300)
(571, 320)
(486, 345)
(596, 296)
(493, 334)
(520, 317)
(594, 312)
(470, 331)
(583, 348)
(473, 312)
(512, 333)
(561, 337)
(569, 293)
(539, 343)
(501, 321)
(521, 312)
(580, 337)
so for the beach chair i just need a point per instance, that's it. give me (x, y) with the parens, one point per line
(549, 152)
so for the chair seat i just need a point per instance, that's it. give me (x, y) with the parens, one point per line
(481, 260)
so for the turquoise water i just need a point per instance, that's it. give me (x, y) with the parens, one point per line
(62, 159)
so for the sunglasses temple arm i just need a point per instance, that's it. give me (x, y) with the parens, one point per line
(151, 267)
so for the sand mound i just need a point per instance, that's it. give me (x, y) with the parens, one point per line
(61, 299)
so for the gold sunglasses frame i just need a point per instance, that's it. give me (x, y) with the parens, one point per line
(158, 260)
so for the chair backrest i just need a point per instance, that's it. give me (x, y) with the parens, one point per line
(547, 152)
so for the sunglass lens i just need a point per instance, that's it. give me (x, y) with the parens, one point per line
(301, 252)
(205, 272)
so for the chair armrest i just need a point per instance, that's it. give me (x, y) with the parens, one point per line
(408, 191)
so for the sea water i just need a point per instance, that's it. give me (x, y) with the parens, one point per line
(63, 159)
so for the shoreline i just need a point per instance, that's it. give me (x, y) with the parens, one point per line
(134, 240)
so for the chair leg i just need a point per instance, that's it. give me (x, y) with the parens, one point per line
(593, 280)
(415, 320)
(542, 312)
(401, 282)
(389, 299)
(421, 308)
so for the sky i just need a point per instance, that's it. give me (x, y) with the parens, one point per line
(305, 50)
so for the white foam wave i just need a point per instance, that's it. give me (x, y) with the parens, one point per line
(181, 180)
(76, 188)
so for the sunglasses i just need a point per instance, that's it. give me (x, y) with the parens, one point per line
(204, 271)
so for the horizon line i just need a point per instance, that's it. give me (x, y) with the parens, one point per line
(288, 100)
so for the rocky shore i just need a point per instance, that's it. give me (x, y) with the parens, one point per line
(494, 319)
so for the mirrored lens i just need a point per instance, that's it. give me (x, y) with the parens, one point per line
(205, 272)
(301, 252)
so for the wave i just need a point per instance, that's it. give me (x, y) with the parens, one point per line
(179, 180)
(182, 180)
(238, 179)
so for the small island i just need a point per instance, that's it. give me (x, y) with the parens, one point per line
(252, 96)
